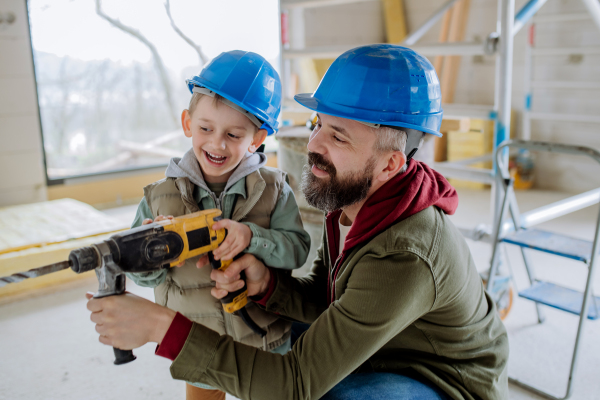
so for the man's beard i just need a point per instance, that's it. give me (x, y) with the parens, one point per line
(338, 191)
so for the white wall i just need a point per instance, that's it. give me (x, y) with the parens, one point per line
(22, 178)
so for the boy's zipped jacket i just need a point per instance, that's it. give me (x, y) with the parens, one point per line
(255, 195)
(402, 295)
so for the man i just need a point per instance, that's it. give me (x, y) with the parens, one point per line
(396, 307)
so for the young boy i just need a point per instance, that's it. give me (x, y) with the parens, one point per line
(235, 103)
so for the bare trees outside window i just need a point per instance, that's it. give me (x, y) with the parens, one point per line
(111, 73)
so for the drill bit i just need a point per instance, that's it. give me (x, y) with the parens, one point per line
(35, 272)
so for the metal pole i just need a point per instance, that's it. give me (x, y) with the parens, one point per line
(593, 7)
(526, 13)
(503, 91)
(423, 29)
(527, 85)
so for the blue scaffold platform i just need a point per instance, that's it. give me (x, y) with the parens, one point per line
(553, 243)
(562, 298)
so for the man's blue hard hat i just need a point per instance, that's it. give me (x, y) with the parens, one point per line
(380, 84)
(247, 80)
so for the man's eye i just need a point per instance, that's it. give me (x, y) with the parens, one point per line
(338, 139)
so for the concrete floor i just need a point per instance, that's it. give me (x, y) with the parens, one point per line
(49, 349)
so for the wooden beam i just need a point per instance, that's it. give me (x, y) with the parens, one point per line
(451, 64)
(395, 20)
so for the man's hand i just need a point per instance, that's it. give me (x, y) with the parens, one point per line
(238, 238)
(257, 277)
(127, 321)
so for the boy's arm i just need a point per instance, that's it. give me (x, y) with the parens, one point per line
(285, 244)
(145, 279)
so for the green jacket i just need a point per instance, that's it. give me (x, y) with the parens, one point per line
(410, 298)
(284, 245)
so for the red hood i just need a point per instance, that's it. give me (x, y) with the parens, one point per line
(404, 195)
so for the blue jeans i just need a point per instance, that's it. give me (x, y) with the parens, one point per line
(378, 385)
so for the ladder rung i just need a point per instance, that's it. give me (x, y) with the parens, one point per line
(565, 117)
(565, 51)
(561, 298)
(565, 85)
(433, 49)
(553, 243)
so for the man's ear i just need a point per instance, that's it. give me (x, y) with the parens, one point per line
(394, 163)
(257, 140)
(186, 123)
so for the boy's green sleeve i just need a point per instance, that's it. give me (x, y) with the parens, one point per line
(145, 279)
(286, 243)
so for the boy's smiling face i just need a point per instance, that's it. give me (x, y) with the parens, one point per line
(220, 137)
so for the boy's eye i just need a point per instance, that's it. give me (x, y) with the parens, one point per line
(205, 129)
(231, 135)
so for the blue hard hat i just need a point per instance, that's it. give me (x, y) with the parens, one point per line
(247, 80)
(380, 84)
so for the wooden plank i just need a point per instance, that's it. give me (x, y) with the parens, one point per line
(463, 124)
(36, 257)
(39, 224)
(395, 20)
(443, 37)
(106, 192)
(451, 64)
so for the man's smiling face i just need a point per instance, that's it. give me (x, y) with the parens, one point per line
(341, 162)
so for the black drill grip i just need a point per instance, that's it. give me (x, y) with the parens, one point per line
(123, 356)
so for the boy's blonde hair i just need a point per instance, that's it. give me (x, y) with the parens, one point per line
(217, 98)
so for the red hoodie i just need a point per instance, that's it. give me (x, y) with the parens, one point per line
(399, 198)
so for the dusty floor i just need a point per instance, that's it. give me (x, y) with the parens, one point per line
(49, 349)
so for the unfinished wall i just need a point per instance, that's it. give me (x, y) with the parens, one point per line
(360, 23)
(476, 83)
(22, 178)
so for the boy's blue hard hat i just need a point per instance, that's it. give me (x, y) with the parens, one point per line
(381, 84)
(247, 80)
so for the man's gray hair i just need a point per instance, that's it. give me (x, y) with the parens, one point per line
(390, 139)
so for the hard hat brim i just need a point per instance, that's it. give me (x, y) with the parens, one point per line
(307, 100)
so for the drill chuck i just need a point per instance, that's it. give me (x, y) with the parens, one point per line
(84, 259)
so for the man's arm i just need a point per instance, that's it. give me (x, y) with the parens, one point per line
(383, 296)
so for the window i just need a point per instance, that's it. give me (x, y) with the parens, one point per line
(111, 74)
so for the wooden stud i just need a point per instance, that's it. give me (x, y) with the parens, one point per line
(395, 21)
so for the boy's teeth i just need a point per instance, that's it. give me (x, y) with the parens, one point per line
(215, 158)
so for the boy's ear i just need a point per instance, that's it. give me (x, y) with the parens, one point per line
(259, 138)
(186, 123)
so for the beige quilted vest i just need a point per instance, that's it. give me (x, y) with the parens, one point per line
(187, 288)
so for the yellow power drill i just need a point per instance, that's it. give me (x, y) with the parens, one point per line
(150, 247)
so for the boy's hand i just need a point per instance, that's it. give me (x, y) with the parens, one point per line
(160, 218)
(238, 238)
